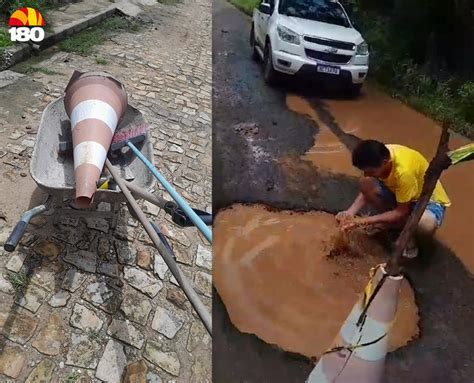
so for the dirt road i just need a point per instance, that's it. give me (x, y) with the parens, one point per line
(290, 148)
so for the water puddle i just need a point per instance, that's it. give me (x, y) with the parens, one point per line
(376, 115)
(273, 272)
(328, 152)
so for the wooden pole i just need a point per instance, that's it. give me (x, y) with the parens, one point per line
(440, 162)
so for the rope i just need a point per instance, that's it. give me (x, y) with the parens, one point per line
(370, 293)
(353, 347)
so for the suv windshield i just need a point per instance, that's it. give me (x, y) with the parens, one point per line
(326, 11)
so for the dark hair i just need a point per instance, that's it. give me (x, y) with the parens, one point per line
(369, 154)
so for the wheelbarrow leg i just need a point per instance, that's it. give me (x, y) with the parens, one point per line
(58, 203)
(115, 215)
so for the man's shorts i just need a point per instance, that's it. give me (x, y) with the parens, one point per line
(435, 208)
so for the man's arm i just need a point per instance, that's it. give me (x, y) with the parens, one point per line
(358, 204)
(395, 216)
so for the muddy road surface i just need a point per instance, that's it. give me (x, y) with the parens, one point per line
(289, 148)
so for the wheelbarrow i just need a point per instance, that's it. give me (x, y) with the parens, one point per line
(52, 168)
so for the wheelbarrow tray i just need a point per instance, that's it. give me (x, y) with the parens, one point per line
(54, 172)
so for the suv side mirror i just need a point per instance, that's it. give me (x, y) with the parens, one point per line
(265, 8)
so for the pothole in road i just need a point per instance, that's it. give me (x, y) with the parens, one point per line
(274, 275)
(328, 152)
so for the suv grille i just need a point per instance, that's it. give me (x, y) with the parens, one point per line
(328, 57)
(331, 43)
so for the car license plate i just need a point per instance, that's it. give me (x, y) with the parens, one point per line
(328, 69)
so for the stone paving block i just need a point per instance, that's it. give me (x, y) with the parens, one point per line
(59, 299)
(203, 283)
(83, 352)
(42, 373)
(5, 285)
(73, 280)
(136, 307)
(83, 260)
(112, 363)
(136, 372)
(51, 337)
(166, 322)
(12, 361)
(168, 361)
(204, 257)
(126, 332)
(32, 298)
(85, 319)
(142, 281)
(15, 262)
(17, 325)
(102, 296)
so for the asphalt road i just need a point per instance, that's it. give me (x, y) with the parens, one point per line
(252, 126)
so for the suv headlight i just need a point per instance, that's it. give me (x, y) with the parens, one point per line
(288, 35)
(362, 49)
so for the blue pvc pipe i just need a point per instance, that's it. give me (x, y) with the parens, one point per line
(179, 200)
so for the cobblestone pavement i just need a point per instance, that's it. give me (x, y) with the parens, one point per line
(99, 301)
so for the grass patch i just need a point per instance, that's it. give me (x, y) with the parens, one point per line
(246, 6)
(94, 335)
(5, 38)
(84, 42)
(168, 2)
(19, 281)
(72, 377)
(33, 69)
(101, 61)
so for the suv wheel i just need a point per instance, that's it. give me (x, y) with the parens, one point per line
(255, 54)
(269, 73)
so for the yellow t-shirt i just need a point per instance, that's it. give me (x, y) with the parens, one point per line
(407, 176)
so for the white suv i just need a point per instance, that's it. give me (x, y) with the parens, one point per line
(309, 37)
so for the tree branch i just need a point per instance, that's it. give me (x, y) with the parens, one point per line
(439, 163)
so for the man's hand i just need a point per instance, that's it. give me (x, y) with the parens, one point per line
(344, 216)
(353, 223)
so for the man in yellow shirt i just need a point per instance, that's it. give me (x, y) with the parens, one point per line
(392, 183)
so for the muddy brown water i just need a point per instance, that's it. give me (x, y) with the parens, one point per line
(377, 116)
(274, 275)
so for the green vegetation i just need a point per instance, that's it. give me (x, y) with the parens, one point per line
(32, 69)
(5, 38)
(94, 336)
(101, 61)
(19, 281)
(417, 55)
(168, 2)
(247, 6)
(84, 42)
(72, 377)
(9, 6)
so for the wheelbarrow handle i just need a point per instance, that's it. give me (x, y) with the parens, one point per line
(15, 236)
(20, 228)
